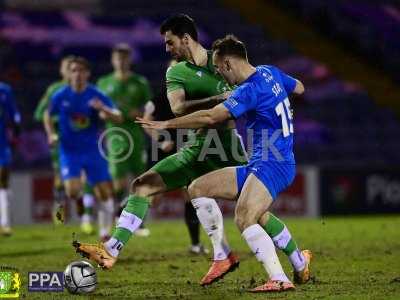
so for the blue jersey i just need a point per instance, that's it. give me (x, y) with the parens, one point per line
(8, 112)
(263, 97)
(79, 123)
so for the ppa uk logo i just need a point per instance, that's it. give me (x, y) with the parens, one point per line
(45, 282)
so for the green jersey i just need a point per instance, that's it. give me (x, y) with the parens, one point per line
(44, 102)
(130, 94)
(198, 82)
(179, 169)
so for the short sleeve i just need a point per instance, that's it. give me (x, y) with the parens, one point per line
(173, 80)
(106, 100)
(289, 82)
(241, 101)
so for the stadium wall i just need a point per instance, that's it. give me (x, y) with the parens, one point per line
(32, 198)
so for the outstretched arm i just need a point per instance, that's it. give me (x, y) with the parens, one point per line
(181, 106)
(198, 119)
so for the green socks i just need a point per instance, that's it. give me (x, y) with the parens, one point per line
(131, 217)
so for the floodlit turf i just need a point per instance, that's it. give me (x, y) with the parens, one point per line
(355, 258)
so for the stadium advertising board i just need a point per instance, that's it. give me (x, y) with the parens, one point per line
(360, 191)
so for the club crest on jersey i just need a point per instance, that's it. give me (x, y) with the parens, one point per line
(79, 121)
(199, 73)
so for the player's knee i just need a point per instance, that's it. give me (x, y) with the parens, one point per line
(72, 193)
(195, 190)
(139, 188)
(244, 218)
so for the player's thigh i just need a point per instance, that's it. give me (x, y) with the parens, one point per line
(120, 184)
(177, 170)
(254, 200)
(148, 184)
(73, 187)
(217, 184)
(103, 190)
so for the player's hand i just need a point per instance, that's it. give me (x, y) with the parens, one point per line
(102, 115)
(151, 124)
(167, 146)
(96, 104)
(222, 97)
(52, 139)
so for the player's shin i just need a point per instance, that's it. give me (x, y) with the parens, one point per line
(106, 217)
(129, 221)
(88, 203)
(4, 213)
(263, 247)
(211, 219)
(283, 240)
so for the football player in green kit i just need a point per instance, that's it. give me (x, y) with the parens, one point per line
(58, 188)
(192, 84)
(126, 142)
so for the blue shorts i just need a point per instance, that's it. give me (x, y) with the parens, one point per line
(5, 156)
(94, 165)
(275, 176)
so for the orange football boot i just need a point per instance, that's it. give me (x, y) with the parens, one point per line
(96, 253)
(220, 268)
(303, 276)
(273, 286)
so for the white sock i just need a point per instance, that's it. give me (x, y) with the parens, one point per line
(263, 247)
(4, 216)
(113, 246)
(210, 217)
(101, 218)
(107, 207)
(88, 203)
(297, 258)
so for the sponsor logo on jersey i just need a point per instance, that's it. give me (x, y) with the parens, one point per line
(79, 121)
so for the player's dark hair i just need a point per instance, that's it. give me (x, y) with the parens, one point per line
(81, 61)
(180, 25)
(122, 48)
(230, 45)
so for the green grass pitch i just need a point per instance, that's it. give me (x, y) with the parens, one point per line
(355, 258)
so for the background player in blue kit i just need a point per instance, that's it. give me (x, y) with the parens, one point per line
(8, 113)
(80, 108)
(262, 94)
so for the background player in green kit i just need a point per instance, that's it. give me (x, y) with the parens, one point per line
(192, 84)
(126, 142)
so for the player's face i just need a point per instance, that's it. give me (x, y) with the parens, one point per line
(64, 68)
(175, 46)
(121, 61)
(222, 67)
(78, 75)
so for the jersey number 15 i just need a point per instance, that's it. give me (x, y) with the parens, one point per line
(286, 118)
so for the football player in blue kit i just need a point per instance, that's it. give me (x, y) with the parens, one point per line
(81, 107)
(8, 114)
(261, 95)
